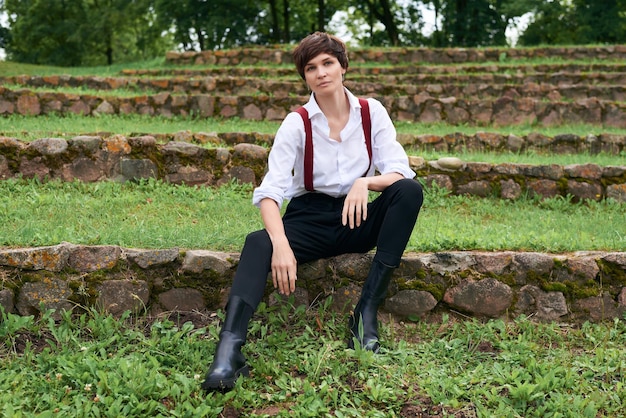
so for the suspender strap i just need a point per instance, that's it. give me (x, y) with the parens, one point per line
(367, 130)
(308, 145)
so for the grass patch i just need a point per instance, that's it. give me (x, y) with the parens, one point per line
(153, 214)
(10, 69)
(534, 158)
(30, 128)
(91, 364)
(66, 126)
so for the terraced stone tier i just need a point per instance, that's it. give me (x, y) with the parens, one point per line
(354, 71)
(504, 111)
(555, 87)
(260, 55)
(572, 287)
(92, 158)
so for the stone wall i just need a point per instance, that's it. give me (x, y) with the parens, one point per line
(94, 158)
(423, 107)
(553, 287)
(554, 86)
(281, 55)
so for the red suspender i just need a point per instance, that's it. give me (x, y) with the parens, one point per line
(308, 145)
(367, 130)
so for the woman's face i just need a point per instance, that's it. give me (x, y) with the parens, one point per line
(324, 74)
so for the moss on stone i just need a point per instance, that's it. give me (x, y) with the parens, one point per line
(437, 290)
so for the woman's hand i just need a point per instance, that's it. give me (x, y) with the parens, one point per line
(355, 205)
(284, 265)
(284, 268)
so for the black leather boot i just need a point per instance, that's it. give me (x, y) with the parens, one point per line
(228, 362)
(363, 322)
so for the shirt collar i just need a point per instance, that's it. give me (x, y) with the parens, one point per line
(313, 108)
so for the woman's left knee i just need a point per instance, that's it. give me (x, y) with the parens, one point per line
(410, 189)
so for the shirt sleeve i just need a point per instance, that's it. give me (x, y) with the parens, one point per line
(388, 155)
(286, 149)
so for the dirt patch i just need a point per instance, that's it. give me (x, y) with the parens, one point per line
(35, 342)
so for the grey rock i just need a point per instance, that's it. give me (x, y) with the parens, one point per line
(152, 258)
(487, 297)
(49, 293)
(197, 261)
(119, 296)
(411, 302)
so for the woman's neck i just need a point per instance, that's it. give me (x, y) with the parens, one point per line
(333, 105)
(336, 108)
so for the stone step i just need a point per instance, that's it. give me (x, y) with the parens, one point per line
(503, 111)
(588, 69)
(573, 287)
(93, 158)
(484, 87)
(283, 55)
(454, 142)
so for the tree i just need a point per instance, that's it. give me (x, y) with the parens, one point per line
(552, 24)
(120, 30)
(43, 32)
(82, 32)
(388, 23)
(599, 21)
(576, 22)
(472, 23)
(210, 24)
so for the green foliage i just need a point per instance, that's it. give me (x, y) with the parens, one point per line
(577, 22)
(206, 25)
(86, 32)
(91, 364)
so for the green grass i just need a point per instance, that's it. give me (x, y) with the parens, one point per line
(30, 128)
(9, 69)
(94, 365)
(534, 158)
(153, 214)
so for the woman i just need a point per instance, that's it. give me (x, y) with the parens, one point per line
(328, 184)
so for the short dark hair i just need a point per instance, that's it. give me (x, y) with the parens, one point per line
(319, 43)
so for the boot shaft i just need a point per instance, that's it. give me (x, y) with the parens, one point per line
(238, 315)
(376, 284)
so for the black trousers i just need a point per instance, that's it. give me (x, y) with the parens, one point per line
(314, 230)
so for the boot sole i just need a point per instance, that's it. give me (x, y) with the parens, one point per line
(226, 384)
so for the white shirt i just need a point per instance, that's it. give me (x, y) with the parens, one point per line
(336, 164)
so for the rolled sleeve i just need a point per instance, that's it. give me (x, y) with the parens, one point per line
(282, 158)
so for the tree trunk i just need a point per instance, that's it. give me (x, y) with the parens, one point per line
(389, 22)
(287, 29)
(275, 35)
(320, 15)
